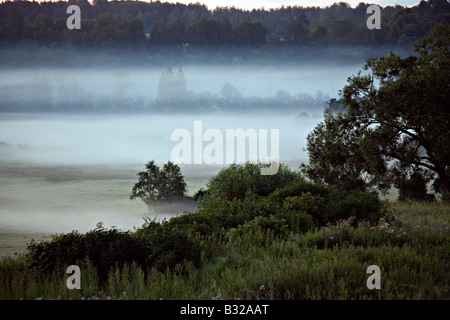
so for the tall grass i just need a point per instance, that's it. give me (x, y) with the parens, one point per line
(257, 264)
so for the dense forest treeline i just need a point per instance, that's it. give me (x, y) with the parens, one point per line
(130, 24)
(34, 34)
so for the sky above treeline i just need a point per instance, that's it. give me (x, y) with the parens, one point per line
(268, 4)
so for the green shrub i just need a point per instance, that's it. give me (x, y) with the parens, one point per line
(298, 221)
(324, 205)
(222, 215)
(202, 223)
(328, 204)
(152, 246)
(169, 246)
(341, 204)
(240, 193)
(260, 226)
(315, 239)
(297, 188)
(306, 202)
(225, 215)
(239, 181)
(104, 248)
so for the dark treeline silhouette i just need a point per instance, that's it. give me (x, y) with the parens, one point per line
(134, 23)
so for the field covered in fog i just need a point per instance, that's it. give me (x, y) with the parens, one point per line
(64, 172)
(37, 201)
(80, 139)
(183, 109)
(68, 168)
(40, 201)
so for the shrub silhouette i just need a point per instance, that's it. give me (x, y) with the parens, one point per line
(151, 247)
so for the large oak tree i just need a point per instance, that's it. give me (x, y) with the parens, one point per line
(396, 127)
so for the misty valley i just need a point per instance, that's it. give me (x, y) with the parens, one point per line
(168, 151)
(67, 122)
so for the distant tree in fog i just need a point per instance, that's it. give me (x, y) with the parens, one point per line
(156, 185)
(171, 86)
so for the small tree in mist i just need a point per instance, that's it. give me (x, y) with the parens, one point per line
(156, 185)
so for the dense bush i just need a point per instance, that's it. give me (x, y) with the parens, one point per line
(306, 202)
(328, 204)
(298, 221)
(198, 222)
(277, 227)
(222, 215)
(341, 204)
(105, 248)
(239, 194)
(225, 215)
(169, 247)
(297, 188)
(151, 247)
(239, 181)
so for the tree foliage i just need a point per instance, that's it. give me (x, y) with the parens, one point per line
(396, 127)
(240, 181)
(155, 184)
(335, 157)
(172, 24)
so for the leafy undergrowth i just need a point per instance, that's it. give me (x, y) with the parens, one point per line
(263, 258)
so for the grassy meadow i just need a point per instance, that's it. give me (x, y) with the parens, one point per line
(412, 252)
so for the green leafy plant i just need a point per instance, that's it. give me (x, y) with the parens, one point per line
(240, 181)
(152, 246)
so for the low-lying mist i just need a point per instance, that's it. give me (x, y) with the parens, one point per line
(84, 139)
(39, 206)
(261, 81)
(204, 88)
(136, 110)
(73, 140)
